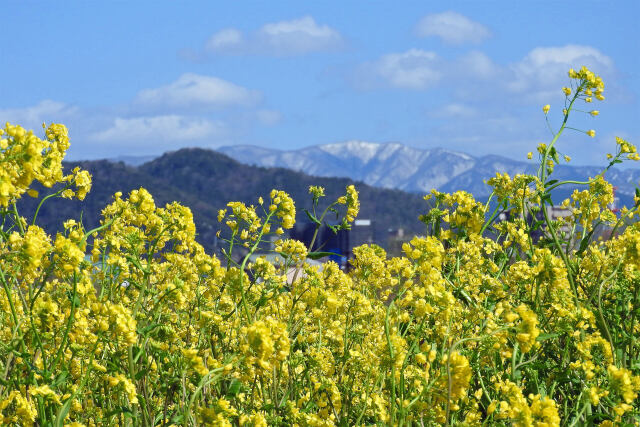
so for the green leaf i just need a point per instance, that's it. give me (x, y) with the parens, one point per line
(234, 388)
(312, 217)
(262, 301)
(591, 419)
(547, 198)
(318, 255)
(76, 300)
(60, 379)
(333, 228)
(585, 242)
(550, 183)
(144, 331)
(119, 410)
(544, 337)
(141, 374)
(62, 413)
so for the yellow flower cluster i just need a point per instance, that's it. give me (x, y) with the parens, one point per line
(541, 412)
(283, 207)
(25, 158)
(521, 186)
(266, 345)
(593, 204)
(293, 250)
(352, 202)
(588, 82)
(498, 315)
(316, 191)
(625, 147)
(462, 211)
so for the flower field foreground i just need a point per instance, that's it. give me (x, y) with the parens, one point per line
(482, 322)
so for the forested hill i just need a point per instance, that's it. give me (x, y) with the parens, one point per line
(206, 180)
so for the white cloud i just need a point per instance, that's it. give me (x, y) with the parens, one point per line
(294, 37)
(228, 38)
(159, 128)
(452, 28)
(299, 36)
(475, 65)
(419, 70)
(454, 110)
(32, 117)
(544, 70)
(537, 77)
(194, 91)
(413, 69)
(268, 117)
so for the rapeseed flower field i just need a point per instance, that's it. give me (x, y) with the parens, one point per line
(479, 323)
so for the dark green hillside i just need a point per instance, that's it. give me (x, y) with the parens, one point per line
(108, 178)
(206, 180)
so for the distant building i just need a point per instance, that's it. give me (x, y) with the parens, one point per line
(362, 233)
(395, 239)
(554, 213)
(326, 240)
(536, 221)
(341, 243)
(293, 272)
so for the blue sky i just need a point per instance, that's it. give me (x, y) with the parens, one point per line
(145, 77)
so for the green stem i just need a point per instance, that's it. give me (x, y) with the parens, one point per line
(393, 365)
(600, 313)
(243, 300)
(65, 336)
(563, 255)
(558, 184)
(206, 380)
(313, 240)
(95, 230)
(5, 285)
(493, 216)
(545, 156)
(17, 217)
(57, 193)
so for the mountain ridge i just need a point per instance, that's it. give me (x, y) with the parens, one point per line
(395, 165)
(206, 180)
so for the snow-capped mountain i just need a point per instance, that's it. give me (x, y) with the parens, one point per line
(394, 165)
(389, 165)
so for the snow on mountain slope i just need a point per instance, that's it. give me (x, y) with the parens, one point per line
(390, 165)
(394, 165)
